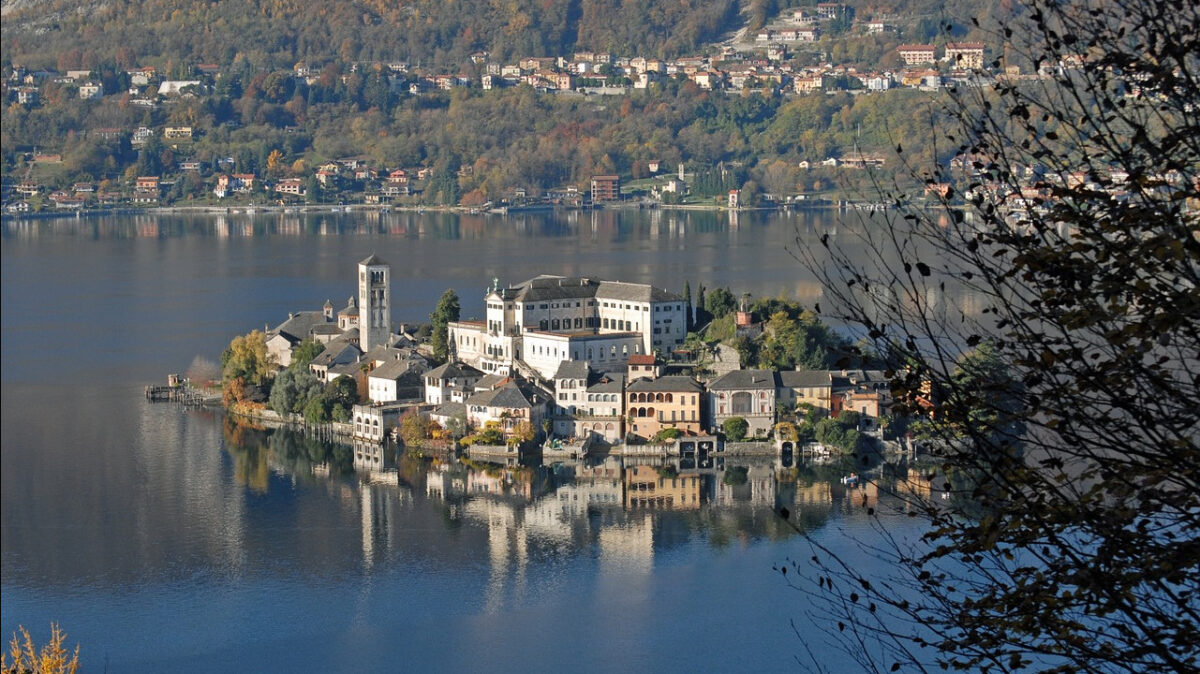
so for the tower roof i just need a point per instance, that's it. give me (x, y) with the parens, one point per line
(373, 261)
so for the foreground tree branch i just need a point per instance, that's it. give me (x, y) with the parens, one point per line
(1042, 320)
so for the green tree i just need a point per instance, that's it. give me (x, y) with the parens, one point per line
(316, 410)
(304, 353)
(720, 302)
(292, 390)
(447, 310)
(735, 428)
(1072, 545)
(687, 298)
(340, 396)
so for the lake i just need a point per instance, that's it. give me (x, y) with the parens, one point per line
(168, 539)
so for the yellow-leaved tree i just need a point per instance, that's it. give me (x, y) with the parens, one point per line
(52, 658)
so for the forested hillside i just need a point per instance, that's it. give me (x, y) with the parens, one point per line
(278, 89)
(434, 33)
(278, 33)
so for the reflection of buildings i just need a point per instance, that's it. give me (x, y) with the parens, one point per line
(593, 487)
(816, 494)
(863, 495)
(758, 490)
(375, 462)
(629, 547)
(443, 483)
(380, 506)
(646, 487)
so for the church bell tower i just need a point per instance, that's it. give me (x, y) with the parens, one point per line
(374, 303)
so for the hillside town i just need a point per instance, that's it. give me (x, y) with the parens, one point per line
(792, 55)
(577, 364)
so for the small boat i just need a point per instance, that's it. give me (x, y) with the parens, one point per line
(850, 480)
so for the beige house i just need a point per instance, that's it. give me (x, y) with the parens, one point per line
(645, 488)
(812, 387)
(666, 402)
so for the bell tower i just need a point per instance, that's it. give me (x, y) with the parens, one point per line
(374, 303)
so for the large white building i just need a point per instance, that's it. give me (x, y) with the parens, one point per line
(549, 319)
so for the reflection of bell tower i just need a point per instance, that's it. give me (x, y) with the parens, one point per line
(374, 303)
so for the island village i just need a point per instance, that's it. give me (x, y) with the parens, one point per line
(564, 367)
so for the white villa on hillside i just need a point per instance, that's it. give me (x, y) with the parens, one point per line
(549, 319)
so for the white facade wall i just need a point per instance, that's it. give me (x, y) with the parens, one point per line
(668, 326)
(544, 351)
(381, 390)
(557, 315)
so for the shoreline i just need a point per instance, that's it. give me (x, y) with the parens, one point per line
(274, 209)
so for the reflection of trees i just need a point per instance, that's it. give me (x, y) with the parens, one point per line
(247, 445)
(298, 453)
(255, 450)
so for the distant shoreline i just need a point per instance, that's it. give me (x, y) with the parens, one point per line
(384, 208)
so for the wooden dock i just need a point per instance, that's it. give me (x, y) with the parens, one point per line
(185, 395)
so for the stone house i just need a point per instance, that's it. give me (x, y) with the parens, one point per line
(749, 394)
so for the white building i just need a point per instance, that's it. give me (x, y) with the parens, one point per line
(175, 86)
(374, 302)
(397, 379)
(549, 319)
(452, 382)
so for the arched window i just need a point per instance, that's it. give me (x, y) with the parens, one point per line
(743, 403)
(669, 398)
(578, 322)
(554, 324)
(650, 412)
(543, 324)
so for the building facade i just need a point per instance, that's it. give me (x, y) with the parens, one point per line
(549, 319)
(374, 302)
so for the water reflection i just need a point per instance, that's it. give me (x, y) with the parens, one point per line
(613, 225)
(623, 511)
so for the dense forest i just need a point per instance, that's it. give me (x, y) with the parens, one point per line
(274, 34)
(278, 33)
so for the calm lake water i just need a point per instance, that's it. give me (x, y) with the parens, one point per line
(165, 539)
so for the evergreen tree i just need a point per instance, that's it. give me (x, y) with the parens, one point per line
(447, 310)
(687, 297)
